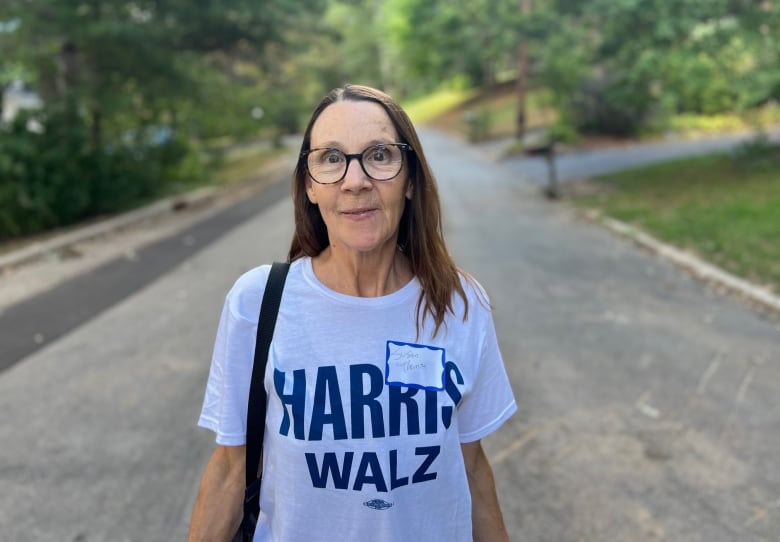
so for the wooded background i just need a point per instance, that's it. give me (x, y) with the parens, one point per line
(137, 95)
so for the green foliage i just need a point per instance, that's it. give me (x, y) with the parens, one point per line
(758, 154)
(202, 69)
(435, 104)
(617, 66)
(35, 169)
(478, 123)
(54, 176)
(432, 42)
(356, 51)
(108, 70)
(561, 132)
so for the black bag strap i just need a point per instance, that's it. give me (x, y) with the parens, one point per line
(255, 418)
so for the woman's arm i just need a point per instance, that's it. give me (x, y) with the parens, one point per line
(219, 507)
(487, 521)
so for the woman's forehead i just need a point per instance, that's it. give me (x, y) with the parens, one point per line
(350, 123)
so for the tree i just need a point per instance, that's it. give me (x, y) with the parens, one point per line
(617, 65)
(127, 74)
(437, 41)
(526, 8)
(133, 59)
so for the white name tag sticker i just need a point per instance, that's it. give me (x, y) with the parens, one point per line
(414, 366)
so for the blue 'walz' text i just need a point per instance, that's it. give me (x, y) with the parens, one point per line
(372, 414)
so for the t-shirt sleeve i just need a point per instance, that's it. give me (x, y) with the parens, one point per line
(227, 390)
(490, 401)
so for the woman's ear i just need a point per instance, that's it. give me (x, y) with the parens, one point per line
(310, 191)
(409, 190)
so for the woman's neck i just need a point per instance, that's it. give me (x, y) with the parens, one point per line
(362, 274)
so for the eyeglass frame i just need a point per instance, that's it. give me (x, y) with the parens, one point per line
(404, 147)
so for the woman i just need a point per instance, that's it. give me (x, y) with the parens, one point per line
(384, 371)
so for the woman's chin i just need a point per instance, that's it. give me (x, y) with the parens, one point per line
(366, 245)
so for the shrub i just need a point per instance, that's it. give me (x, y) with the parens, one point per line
(53, 176)
(42, 174)
(758, 154)
(606, 104)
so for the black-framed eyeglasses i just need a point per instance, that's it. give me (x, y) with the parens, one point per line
(380, 162)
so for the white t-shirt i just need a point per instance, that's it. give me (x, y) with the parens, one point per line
(365, 419)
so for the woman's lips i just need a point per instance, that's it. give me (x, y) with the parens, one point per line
(362, 212)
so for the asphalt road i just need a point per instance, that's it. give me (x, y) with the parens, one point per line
(25, 326)
(647, 400)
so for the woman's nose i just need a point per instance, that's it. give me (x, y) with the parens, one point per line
(355, 178)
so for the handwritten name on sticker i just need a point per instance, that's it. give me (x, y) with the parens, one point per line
(414, 365)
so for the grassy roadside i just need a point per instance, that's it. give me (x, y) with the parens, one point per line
(430, 108)
(245, 162)
(446, 111)
(724, 210)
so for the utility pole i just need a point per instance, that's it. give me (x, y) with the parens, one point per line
(522, 73)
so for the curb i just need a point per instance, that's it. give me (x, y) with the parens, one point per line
(697, 267)
(171, 204)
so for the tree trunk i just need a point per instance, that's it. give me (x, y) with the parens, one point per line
(522, 75)
(97, 128)
(67, 64)
(3, 86)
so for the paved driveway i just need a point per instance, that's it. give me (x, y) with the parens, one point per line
(648, 401)
(577, 164)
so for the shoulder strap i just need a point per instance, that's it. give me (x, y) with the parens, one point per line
(255, 422)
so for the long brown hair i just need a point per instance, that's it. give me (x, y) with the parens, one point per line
(420, 235)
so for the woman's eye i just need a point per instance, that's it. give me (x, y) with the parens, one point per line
(378, 154)
(331, 157)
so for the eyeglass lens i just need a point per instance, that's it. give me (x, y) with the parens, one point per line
(379, 162)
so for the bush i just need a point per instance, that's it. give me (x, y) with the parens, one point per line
(609, 105)
(757, 154)
(283, 113)
(478, 124)
(53, 176)
(37, 172)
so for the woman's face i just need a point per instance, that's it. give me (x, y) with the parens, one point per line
(362, 215)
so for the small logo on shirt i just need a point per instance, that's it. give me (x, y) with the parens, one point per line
(378, 504)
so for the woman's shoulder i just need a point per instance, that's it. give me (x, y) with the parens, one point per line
(471, 286)
(476, 295)
(245, 296)
(252, 280)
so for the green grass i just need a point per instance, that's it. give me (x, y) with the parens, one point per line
(497, 108)
(726, 212)
(435, 105)
(690, 124)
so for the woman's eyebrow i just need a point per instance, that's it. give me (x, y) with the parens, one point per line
(338, 145)
(327, 145)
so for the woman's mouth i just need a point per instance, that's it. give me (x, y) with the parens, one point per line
(362, 212)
